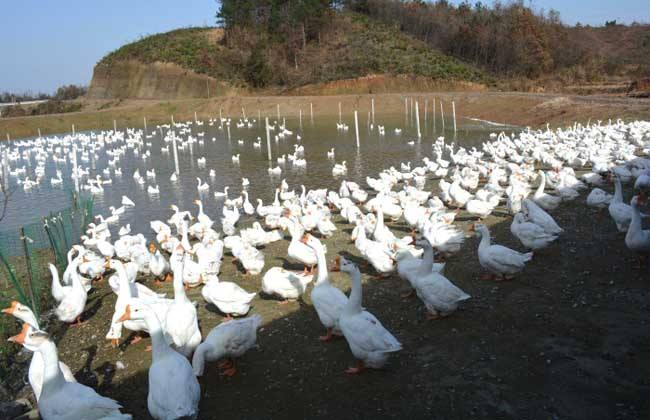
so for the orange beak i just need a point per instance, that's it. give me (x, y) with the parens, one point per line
(10, 310)
(337, 264)
(152, 247)
(304, 238)
(107, 264)
(20, 337)
(126, 315)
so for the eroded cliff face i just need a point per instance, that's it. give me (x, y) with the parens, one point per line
(133, 79)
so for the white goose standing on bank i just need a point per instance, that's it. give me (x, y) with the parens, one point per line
(59, 398)
(36, 371)
(228, 340)
(637, 239)
(181, 322)
(499, 260)
(370, 343)
(174, 391)
(328, 300)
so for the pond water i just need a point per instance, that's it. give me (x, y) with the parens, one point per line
(376, 152)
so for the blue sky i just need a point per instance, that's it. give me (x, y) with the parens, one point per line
(45, 44)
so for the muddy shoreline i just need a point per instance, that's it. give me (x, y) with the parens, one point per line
(523, 109)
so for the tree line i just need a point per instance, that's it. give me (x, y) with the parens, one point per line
(63, 93)
(506, 39)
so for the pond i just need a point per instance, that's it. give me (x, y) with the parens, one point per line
(206, 139)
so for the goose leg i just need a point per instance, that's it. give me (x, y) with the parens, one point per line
(232, 370)
(78, 322)
(408, 295)
(432, 316)
(356, 370)
(327, 337)
(225, 364)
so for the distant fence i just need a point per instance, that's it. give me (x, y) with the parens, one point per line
(26, 251)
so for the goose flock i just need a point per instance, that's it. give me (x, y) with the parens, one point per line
(529, 176)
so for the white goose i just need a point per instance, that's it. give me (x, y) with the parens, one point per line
(620, 212)
(174, 391)
(181, 321)
(543, 199)
(229, 297)
(498, 259)
(228, 340)
(202, 187)
(370, 343)
(37, 365)
(59, 398)
(328, 300)
(637, 239)
(531, 235)
(439, 295)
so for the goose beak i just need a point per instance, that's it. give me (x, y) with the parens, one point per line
(107, 264)
(20, 338)
(126, 315)
(305, 238)
(10, 310)
(472, 228)
(337, 264)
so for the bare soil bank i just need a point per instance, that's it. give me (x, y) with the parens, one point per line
(525, 109)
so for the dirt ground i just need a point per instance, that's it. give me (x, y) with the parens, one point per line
(568, 338)
(523, 109)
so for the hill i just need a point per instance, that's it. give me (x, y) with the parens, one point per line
(197, 62)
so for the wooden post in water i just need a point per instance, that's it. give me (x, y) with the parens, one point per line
(426, 103)
(30, 277)
(228, 130)
(114, 126)
(311, 110)
(368, 122)
(300, 119)
(453, 111)
(176, 169)
(278, 107)
(406, 108)
(73, 133)
(373, 111)
(442, 117)
(74, 167)
(268, 139)
(145, 125)
(356, 126)
(339, 113)
(243, 112)
(195, 119)
(433, 109)
(173, 121)
(417, 119)
(39, 133)
(220, 119)
(259, 116)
